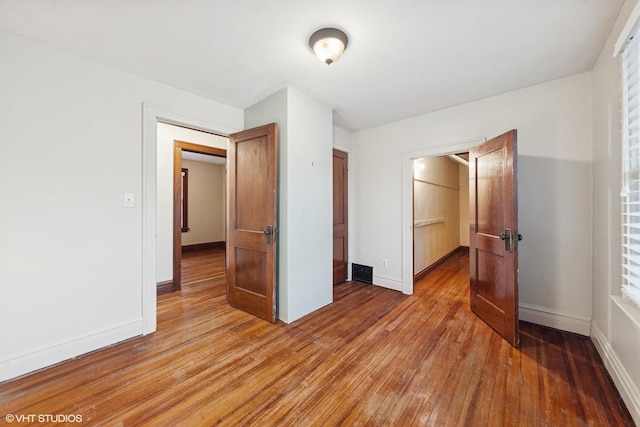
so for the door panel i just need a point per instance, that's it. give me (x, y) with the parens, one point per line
(251, 240)
(493, 234)
(340, 217)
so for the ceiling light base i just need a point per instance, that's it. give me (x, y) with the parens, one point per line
(328, 44)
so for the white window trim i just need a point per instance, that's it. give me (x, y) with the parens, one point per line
(627, 31)
(630, 194)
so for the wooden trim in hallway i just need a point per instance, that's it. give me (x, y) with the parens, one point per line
(165, 287)
(373, 357)
(203, 246)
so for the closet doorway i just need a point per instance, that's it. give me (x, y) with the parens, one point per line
(440, 210)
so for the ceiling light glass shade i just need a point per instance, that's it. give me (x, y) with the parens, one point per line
(328, 44)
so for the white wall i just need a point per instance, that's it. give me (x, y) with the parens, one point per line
(206, 209)
(310, 204)
(616, 335)
(166, 135)
(305, 248)
(71, 264)
(554, 182)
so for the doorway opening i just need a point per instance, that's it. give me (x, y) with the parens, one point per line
(408, 159)
(156, 157)
(493, 236)
(204, 187)
(440, 210)
(199, 202)
(340, 216)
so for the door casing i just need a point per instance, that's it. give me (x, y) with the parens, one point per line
(178, 148)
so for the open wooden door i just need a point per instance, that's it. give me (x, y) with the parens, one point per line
(493, 246)
(252, 162)
(340, 217)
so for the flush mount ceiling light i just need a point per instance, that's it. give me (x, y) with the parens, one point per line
(328, 44)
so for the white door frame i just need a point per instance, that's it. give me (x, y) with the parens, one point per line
(407, 198)
(151, 115)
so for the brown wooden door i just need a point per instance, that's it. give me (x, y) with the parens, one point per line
(494, 234)
(252, 162)
(340, 217)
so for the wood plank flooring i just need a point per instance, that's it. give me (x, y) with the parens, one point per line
(373, 357)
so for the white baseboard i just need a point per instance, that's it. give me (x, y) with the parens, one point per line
(555, 319)
(627, 389)
(387, 282)
(25, 361)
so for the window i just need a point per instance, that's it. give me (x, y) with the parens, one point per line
(631, 170)
(184, 197)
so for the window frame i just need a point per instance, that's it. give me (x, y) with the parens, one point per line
(184, 200)
(630, 194)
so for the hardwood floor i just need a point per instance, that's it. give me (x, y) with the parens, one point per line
(373, 357)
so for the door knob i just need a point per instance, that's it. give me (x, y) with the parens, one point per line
(518, 237)
(269, 233)
(506, 236)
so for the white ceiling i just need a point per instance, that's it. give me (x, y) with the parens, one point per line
(405, 57)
